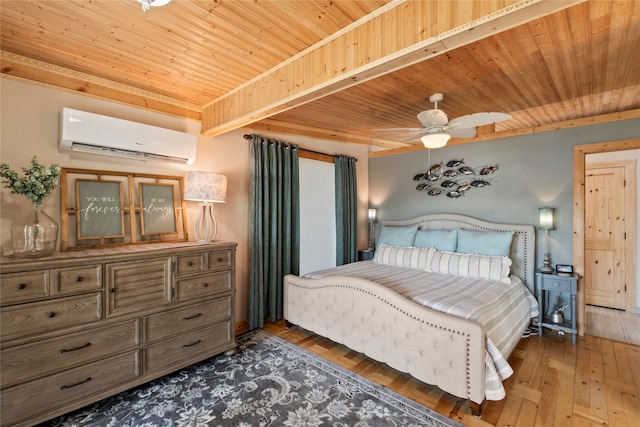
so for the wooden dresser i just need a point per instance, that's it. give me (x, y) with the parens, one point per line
(79, 326)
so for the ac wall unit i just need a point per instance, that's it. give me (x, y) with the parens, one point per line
(96, 134)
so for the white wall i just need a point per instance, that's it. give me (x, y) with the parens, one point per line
(29, 125)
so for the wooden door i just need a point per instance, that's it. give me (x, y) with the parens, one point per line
(604, 276)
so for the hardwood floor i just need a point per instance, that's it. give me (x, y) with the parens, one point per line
(595, 382)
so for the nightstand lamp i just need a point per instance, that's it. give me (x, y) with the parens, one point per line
(207, 188)
(546, 224)
(372, 228)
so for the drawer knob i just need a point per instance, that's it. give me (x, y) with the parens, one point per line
(68, 350)
(219, 259)
(205, 285)
(79, 279)
(22, 286)
(112, 290)
(75, 384)
(190, 263)
(192, 344)
(192, 317)
(557, 285)
(51, 314)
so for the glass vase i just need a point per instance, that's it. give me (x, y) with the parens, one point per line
(34, 235)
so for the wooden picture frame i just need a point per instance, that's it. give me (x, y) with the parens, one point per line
(100, 212)
(133, 225)
(158, 213)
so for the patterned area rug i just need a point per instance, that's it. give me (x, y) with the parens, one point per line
(268, 382)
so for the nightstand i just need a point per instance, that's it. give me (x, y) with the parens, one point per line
(558, 285)
(366, 255)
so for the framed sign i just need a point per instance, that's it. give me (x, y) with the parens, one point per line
(99, 205)
(158, 209)
(100, 209)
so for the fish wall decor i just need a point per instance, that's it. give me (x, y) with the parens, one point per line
(453, 178)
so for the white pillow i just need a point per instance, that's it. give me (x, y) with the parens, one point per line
(471, 265)
(403, 256)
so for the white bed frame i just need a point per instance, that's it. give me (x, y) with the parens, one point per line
(433, 347)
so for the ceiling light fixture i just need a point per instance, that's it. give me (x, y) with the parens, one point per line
(435, 140)
(147, 3)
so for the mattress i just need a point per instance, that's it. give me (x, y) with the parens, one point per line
(504, 310)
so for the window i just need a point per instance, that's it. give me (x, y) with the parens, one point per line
(317, 215)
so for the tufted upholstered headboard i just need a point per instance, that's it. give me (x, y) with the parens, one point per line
(522, 248)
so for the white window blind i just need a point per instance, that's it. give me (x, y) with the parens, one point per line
(317, 216)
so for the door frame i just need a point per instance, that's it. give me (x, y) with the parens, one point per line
(579, 170)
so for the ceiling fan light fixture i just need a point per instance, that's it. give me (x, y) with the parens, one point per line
(155, 3)
(435, 140)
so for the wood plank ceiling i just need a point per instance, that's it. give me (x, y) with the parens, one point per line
(337, 69)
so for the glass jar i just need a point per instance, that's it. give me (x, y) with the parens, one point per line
(34, 235)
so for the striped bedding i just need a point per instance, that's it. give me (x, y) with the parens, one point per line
(505, 310)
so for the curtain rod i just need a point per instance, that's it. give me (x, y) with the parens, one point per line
(304, 150)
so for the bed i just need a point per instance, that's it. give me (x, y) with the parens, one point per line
(430, 322)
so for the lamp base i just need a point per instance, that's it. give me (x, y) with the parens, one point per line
(546, 263)
(206, 226)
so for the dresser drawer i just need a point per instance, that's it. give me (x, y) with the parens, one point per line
(163, 325)
(203, 285)
(40, 396)
(186, 264)
(219, 259)
(47, 315)
(174, 352)
(24, 286)
(556, 284)
(25, 362)
(76, 279)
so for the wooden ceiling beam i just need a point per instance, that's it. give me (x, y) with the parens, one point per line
(276, 127)
(41, 73)
(401, 33)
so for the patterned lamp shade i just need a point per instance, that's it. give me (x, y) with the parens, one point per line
(205, 186)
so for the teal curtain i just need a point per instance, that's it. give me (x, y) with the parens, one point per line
(346, 210)
(274, 230)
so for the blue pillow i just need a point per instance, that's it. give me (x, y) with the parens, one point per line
(492, 243)
(443, 240)
(397, 236)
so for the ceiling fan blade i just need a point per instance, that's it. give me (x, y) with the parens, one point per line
(461, 132)
(477, 119)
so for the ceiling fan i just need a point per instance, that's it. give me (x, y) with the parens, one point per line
(436, 128)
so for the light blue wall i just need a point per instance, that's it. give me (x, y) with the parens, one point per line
(534, 171)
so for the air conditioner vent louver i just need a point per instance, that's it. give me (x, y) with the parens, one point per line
(92, 133)
(88, 148)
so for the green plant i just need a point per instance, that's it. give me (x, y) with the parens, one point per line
(37, 183)
(558, 305)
